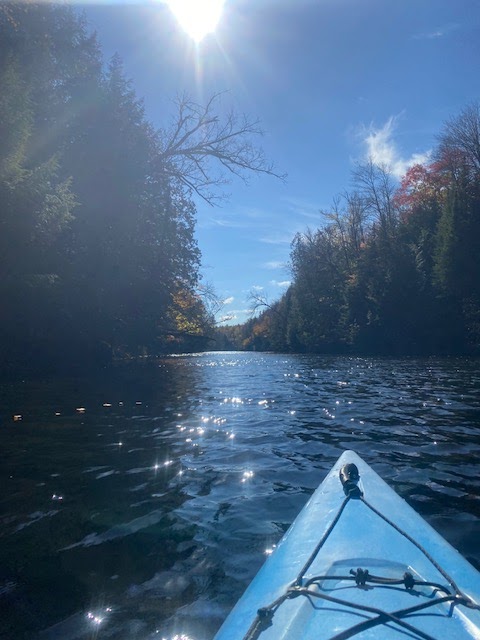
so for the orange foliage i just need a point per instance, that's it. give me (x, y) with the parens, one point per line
(421, 186)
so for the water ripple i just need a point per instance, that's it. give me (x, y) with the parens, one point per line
(178, 485)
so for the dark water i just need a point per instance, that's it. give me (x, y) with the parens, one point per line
(144, 508)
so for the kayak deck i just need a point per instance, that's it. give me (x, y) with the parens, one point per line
(314, 585)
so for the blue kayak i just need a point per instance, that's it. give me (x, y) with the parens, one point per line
(359, 562)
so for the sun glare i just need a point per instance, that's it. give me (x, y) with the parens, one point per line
(197, 17)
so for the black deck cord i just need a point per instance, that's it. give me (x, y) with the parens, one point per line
(264, 616)
(321, 542)
(442, 571)
(263, 619)
(349, 477)
(381, 616)
(407, 581)
(373, 622)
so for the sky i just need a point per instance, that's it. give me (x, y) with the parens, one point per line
(332, 83)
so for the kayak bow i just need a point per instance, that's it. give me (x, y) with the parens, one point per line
(359, 562)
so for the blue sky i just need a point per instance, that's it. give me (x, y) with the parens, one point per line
(331, 81)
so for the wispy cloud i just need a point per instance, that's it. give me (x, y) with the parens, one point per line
(229, 300)
(439, 32)
(304, 208)
(274, 264)
(257, 287)
(275, 226)
(383, 149)
(285, 237)
(227, 222)
(232, 217)
(282, 283)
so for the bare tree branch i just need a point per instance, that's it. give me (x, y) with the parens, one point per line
(199, 139)
(375, 186)
(210, 299)
(460, 139)
(260, 301)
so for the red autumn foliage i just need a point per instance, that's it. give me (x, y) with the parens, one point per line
(421, 186)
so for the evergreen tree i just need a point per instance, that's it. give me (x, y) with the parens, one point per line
(36, 204)
(97, 252)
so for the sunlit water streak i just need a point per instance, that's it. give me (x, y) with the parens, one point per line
(140, 504)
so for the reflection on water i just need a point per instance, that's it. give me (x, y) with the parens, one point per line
(140, 503)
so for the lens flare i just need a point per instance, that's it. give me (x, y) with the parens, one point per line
(198, 18)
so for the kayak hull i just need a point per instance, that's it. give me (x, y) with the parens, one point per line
(359, 539)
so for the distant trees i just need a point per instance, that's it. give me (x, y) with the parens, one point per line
(396, 268)
(457, 251)
(98, 255)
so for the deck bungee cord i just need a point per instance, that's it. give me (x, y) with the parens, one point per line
(349, 477)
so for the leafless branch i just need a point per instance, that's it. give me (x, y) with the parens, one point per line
(199, 139)
(375, 186)
(210, 299)
(260, 301)
(460, 138)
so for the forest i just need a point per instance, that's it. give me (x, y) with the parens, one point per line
(98, 254)
(395, 269)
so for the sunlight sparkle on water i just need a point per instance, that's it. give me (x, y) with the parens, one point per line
(247, 475)
(97, 618)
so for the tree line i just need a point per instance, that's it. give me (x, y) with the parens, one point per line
(394, 270)
(98, 256)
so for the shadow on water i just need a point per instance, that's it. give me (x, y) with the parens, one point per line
(89, 484)
(143, 500)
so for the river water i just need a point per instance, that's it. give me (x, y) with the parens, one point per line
(139, 503)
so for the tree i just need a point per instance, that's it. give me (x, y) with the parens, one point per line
(97, 208)
(375, 187)
(199, 138)
(36, 201)
(457, 251)
(319, 278)
(422, 188)
(348, 221)
(459, 141)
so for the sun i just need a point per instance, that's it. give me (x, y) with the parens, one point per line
(197, 17)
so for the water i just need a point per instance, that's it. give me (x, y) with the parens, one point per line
(140, 503)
